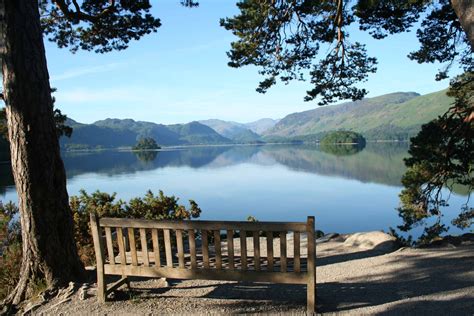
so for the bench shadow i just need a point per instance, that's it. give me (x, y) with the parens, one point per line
(381, 249)
(425, 276)
(421, 276)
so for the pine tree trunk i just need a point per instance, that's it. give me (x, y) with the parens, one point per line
(49, 251)
(464, 9)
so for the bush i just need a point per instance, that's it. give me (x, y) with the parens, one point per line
(105, 205)
(343, 137)
(146, 143)
(10, 248)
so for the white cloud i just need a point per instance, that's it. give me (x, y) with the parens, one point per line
(78, 72)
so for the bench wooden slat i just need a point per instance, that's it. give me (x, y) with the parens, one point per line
(180, 247)
(133, 246)
(256, 250)
(169, 254)
(230, 248)
(192, 248)
(156, 247)
(121, 245)
(270, 251)
(243, 249)
(283, 251)
(219, 267)
(296, 245)
(209, 274)
(202, 225)
(144, 247)
(110, 246)
(205, 248)
(217, 247)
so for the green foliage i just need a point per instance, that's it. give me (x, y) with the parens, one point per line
(10, 248)
(146, 143)
(343, 137)
(101, 26)
(309, 40)
(112, 133)
(105, 205)
(341, 149)
(441, 156)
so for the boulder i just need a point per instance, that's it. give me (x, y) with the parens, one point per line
(375, 240)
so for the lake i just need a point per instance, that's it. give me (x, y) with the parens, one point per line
(346, 190)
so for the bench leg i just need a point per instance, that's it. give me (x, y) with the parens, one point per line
(101, 286)
(311, 298)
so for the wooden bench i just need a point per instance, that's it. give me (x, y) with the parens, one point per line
(205, 250)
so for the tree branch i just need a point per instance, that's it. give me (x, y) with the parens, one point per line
(78, 15)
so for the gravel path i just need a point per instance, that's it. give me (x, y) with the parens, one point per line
(350, 280)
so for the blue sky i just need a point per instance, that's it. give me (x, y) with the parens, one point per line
(180, 74)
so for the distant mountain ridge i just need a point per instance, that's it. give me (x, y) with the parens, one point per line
(394, 116)
(240, 132)
(125, 133)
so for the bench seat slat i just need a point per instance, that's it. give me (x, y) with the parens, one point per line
(144, 246)
(133, 246)
(169, 254)
(217, 247)
(180, 246)
(270, 251)
(192, 248)
(156, 247)
(110, 247)
(230, 248)
(205, 248)
(208, 274)
(121, 245)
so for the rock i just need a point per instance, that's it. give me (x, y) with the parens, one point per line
(327, 237)
(375, 240)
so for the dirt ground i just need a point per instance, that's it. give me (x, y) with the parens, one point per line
(350, 280)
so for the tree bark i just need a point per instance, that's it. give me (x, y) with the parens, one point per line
(49, 250)
(464, 10)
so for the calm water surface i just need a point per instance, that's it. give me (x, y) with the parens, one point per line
(346, 190)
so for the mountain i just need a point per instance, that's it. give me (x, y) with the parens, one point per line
(124, 133)
(227, 129)
(392, 116)
(262, 125)
(237, 132)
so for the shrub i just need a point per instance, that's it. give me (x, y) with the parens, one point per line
(10, 248)
(149, 207)
(105, 205)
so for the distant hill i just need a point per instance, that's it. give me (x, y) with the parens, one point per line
(262, 125)
(125, 133)
(392, 116)
(237, 132)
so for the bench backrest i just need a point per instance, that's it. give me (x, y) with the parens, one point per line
(194, 245)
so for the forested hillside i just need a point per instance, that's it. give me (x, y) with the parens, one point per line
(125, 133)
(395, 116)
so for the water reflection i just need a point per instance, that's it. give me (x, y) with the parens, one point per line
(378, 163)
(342, 150)
(353, 191)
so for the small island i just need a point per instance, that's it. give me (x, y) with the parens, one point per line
(343, 138)
(146, 143)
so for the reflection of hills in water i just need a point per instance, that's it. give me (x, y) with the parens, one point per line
(116, 162)
(378, 162)
(381, 163)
